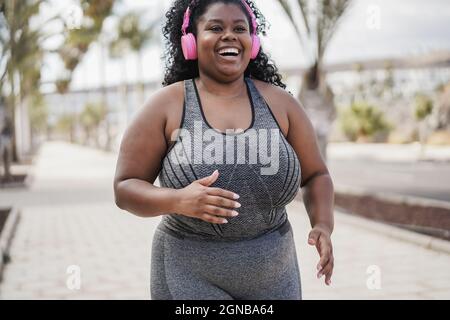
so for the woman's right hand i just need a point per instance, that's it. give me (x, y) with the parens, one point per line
(199, 200)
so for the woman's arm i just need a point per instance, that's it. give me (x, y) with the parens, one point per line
(318, 197)
(144, 199)
(141, 151)
(316, 183)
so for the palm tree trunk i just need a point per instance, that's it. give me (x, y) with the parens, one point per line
(6, 159)
(124, 93)
(12, 111)
(140, 78)
(422, 138)
(321, 110)
(107, 146)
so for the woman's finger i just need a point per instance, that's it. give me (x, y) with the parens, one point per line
(212, 219)
(217, 211)
(222, 193)
(313, 238)
(327, 268)
(222, 202)
(322, 264)
(328, 277)
(324, 249)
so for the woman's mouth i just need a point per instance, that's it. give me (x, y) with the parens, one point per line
(229, 53)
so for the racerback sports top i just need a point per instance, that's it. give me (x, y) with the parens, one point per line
(258, 164)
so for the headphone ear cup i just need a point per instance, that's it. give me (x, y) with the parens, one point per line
(256, 46)
(189, 46)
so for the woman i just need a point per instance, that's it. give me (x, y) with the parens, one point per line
(224, 233)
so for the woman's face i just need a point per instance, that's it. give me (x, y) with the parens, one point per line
(223, 41)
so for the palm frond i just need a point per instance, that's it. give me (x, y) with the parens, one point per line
(303, 5)
(288, 10)
(330, 14)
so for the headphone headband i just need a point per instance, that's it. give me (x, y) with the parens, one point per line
(187, 17)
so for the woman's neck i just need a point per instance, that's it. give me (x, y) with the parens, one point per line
(224, 90)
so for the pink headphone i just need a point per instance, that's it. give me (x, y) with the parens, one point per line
(189, 45)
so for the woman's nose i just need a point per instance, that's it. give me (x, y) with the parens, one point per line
(229, 35)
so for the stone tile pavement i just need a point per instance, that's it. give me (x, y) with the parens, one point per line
(69, 219)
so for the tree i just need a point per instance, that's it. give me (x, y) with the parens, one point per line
(443, 108)
(91, 118)
(77, 43)
(66, 125)
(38, 115)
(133, 36)
(423, 108)
(21, 56)
(6, 149)
(318, 25)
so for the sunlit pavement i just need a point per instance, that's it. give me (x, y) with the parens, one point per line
(69, 219)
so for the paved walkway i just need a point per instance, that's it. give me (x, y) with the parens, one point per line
(69, 218)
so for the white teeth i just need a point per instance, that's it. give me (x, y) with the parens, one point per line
(229, 50)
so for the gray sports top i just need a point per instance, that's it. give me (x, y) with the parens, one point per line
(258, 164)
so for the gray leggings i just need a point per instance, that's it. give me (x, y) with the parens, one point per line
(264, 268)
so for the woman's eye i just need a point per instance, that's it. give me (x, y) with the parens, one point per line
(218, 29)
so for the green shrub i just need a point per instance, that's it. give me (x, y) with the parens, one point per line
(362, 121)
(92, 115)
(424, 107)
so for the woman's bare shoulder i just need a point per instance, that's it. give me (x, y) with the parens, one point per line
(165, 97)
(163, 106)
(272, 90)
(174, 95)
(144, 142)
(276, 98)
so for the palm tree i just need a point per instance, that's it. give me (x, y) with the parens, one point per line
(90, 118)
(443, 108)
(319, 22)
(131, 36)
(77, 43)
(21, 56)
(135, 37)
(423, 108)
(117, 50)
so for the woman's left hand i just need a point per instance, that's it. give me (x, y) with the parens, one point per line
(320, 236)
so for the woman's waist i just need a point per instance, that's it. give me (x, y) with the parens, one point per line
(244, 227)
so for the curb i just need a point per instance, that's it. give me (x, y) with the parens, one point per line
(396, 198)
(389, 229)
(6, 237)
(392, 231)
(427, 216)
(427, 242)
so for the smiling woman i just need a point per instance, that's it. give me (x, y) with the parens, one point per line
(177, 68)
(207, 244)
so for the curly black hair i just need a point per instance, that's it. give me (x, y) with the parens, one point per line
(178, 69)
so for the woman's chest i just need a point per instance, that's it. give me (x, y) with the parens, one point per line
(225, 115)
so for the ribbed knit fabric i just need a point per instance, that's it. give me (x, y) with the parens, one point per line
(265, 268)
(264, 188)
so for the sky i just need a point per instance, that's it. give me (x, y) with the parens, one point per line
(370, 29)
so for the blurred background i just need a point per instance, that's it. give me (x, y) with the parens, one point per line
(373, 76)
